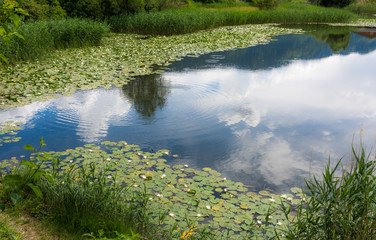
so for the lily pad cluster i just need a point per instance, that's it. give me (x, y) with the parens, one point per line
(118, 60)
(182, 200)
(8, 132)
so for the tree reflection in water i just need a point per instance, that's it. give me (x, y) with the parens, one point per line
(147, 94)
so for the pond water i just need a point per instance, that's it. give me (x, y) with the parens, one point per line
(267, 115)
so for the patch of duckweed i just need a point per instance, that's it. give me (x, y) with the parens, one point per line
(9, 131)
(182, 200)
(118, 60)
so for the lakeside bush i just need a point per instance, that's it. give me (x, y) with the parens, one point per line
(42, 9)
(364, 8)
(101, 9)
(180, 21)
(41, 37)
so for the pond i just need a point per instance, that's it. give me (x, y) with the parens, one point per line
(267, 115)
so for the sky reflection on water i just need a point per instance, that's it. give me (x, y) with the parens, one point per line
(264, 122)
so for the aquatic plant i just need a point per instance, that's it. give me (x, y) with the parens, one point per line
(42, 37)
(178, 200)
(339, 206)
(180, 21)
(8, 132)
(117, 60)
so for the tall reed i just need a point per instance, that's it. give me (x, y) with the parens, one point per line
(340, 207)
(44, 36)
(180, 21)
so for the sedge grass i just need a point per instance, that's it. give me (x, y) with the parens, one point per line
(42, 37)
(180, 21)
(340, 207)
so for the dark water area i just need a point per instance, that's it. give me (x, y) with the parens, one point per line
(267, 115)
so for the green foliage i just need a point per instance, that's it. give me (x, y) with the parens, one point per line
(191, 20)
(363, 8)
(21, 181)
(101, 9)
(10, 21)
(43, 9)
(339, 207)
(265, 4)
(42, 37)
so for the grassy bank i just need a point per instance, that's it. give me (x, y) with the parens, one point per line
(179, 21)
(43, 37)
(118, 191)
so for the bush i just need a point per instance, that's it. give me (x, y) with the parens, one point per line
(43, 9)
(265, 4)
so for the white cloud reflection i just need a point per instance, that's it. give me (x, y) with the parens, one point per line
(327, 91)
(94, 110)
(90, 112)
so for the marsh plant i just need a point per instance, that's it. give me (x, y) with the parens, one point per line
(45, 36)
(339, 207)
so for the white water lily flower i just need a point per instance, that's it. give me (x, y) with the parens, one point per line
(163, 176)
(165, 153)
(62, 182)
(109, 177)
(185, 185)
(145, 157)
(90, 150)
(199, 215)
(272, 200)
(225, 190)
(224, 179)
(182, 170)
(186, 165)
(90, 183)
(283, 196)
(71, 161)
(135, 185)
(108, 159)
(279, 223)
(159, 195)
(208, 207)
(270, 217)
(259, 222)
(143, 176)
(172, 214)
(289, 199)
(129, 161)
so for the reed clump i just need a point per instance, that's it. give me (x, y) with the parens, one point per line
(42, 37)
(180, 21)
(339, 206)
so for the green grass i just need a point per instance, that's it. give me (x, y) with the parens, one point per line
(180, 21)
(42, 37)
(7, 232)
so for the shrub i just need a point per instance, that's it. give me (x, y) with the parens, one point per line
(265, 4)
(43, 9)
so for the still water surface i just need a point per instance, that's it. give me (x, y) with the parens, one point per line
(267, 115)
